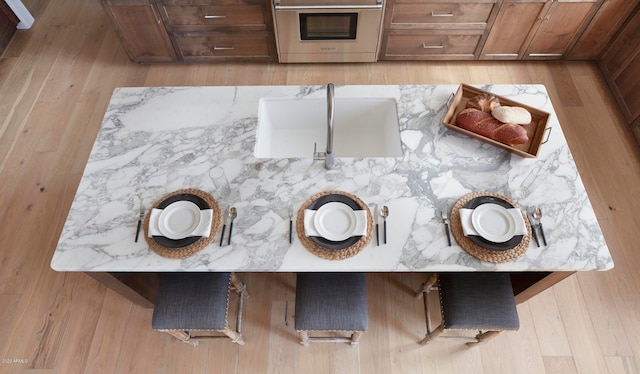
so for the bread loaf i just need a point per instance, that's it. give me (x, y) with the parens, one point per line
(484, 102)
(483, 123)
(512, 114)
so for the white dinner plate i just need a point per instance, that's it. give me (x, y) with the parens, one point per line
(493, 222)
(335, 221)
(178, 220)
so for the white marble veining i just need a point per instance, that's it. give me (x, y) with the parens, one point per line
(157, 140)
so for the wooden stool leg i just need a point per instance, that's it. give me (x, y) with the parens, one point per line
(426, 286)
(429, 336)
(355, 337)
(179, 334)
(304, 338)
(483, 337)
(238, 286)
(235, 337)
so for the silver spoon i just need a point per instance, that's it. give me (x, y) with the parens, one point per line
(537, 215)
(384, 213)
(233, 213)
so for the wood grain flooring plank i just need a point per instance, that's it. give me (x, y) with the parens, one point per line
(559, 365)
(622, 365)
(405, 322)
(38, 332)
(548, 325)
(514, 351)
(603, 311)
(583, 340)
(380, 321)
(10, 309)
(110, 334)
(84, 310)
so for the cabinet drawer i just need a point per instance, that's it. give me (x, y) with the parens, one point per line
(459, 45)
(438, 15)
(197, 45)
(215, 15)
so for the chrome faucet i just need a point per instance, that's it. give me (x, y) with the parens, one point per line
(328, 156)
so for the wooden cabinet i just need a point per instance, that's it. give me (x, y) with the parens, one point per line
(620, 64)
(141, 30)
(435, 29)
(242, 30)
(511, 29)
(603, 26)
(538, 29)
(206, 30)
(194, 30)
(559, 28)
(8, 22)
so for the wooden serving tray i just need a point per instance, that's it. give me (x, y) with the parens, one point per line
(535, 130)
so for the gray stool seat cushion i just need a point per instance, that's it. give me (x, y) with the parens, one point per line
(192, 301)
(479, 301)
(331, 302)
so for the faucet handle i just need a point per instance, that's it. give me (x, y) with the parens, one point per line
(318, 155)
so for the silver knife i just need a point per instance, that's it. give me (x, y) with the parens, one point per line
(224, 227)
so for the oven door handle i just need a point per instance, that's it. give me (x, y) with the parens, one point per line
(324, 7)
(277, 6)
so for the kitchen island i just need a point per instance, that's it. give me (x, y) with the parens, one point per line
(157, 140)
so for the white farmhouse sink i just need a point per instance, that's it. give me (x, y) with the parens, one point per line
(363, 127)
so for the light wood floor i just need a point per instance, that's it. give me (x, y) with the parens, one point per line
(56, 80)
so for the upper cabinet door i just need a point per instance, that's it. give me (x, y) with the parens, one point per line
(560, 27)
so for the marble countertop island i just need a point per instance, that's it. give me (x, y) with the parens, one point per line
(154, 141)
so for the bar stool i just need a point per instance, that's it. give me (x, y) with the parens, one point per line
(331, 302)
(471, 301)
(188, 302)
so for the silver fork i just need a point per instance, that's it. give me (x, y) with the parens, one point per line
(445, 219)
(140, 218)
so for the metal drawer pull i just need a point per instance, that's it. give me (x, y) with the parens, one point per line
(441, 14)
(545, 55)
(216, 48)
(214, 17)
(425, 46)
(501, 55)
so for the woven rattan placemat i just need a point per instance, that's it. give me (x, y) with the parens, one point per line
(195, 247)
(333, 254)
(475, 250)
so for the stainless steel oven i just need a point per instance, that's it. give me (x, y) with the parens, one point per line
(328, 30)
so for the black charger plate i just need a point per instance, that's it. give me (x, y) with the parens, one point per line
(484, 243)
(180, 243)
(329, 244)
